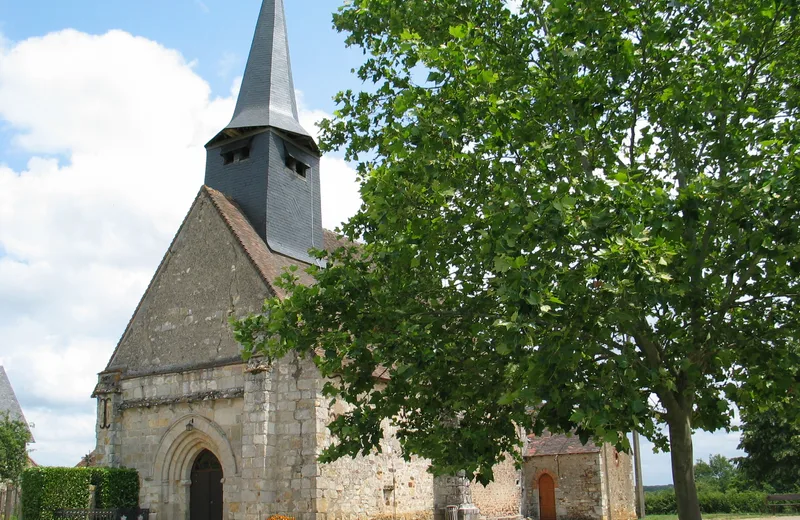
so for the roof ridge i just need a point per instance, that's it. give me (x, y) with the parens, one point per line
(264, 259)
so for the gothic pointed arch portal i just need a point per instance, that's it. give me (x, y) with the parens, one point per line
(179, 449)
(205, 492)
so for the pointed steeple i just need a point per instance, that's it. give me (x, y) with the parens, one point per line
(264, 160)
(267, 95)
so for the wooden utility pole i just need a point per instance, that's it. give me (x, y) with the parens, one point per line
(640, 509)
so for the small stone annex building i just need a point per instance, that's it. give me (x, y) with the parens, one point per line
(567, 479)
(213, 437)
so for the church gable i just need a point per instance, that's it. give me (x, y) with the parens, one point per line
(207, 275)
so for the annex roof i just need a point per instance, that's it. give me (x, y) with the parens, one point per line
(549, 444)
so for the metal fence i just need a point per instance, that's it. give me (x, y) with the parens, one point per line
(102, 514)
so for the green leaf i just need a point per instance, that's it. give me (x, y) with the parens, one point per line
(577, 416)
(487, 76)
(503, 349)
(502, 264)
(458, 31)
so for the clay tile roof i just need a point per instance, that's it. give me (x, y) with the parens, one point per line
(332, 241)
(88, 461)
(268, 263)
(549, 444)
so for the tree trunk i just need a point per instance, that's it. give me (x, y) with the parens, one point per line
(682, 454)
(9, 503)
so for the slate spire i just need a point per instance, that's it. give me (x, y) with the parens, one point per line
(264, 161)
(267, 95)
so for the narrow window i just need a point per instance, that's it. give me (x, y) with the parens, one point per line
(236, 151)
(301, 169)
(297, 166)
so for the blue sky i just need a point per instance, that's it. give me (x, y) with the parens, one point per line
(92, 187)
(213, 34)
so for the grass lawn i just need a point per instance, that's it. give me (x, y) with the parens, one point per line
(719, 516)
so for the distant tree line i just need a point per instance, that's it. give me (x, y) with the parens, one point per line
(771, 441)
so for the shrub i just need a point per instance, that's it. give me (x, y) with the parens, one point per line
(44, 490)
(663, 502)
(117, 488)
(748, 502)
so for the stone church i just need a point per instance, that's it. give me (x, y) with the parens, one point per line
(214, 437)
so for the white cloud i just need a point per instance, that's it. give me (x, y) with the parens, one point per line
(514, 6)
(81, 235)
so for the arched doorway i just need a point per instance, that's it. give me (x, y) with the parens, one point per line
(205, 495)
(547, 498)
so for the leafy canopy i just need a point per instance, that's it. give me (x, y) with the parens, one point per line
(14, 437)
(771, 439)
(586, 207)
(718, 474)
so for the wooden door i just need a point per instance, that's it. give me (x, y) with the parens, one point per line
(205, 495)
(547, 498)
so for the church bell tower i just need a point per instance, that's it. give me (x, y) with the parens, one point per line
(264, 160)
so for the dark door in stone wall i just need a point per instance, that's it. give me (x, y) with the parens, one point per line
(547, 498)
(205, 495)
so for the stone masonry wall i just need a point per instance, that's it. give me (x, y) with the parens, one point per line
(501, 498)
(280, 469)
(579, 493)
(204, 407)
(181, 322)
(376, 486)
(621, 490)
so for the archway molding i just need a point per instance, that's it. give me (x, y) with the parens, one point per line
(179, 447)
(538, 475)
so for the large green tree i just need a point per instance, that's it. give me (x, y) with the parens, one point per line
(14, 438)
(771, 439)
(587, 208)
(719, 473)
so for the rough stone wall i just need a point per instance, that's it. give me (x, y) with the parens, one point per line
(182, 320)
(164, 421)
(501, 498)
(375, 486)
(579, 492)
(259, 421)
(280, 471)
(620, 488)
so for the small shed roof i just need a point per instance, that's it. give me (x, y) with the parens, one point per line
(549, 444)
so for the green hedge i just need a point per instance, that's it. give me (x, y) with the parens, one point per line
(44, 490)
(663, 502)
(116, 488)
